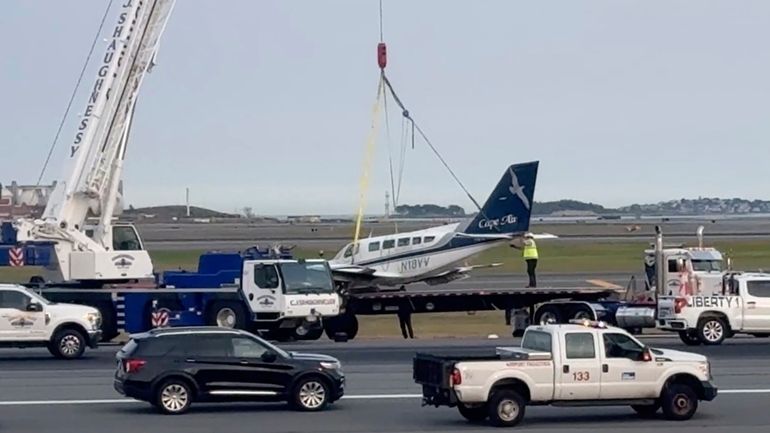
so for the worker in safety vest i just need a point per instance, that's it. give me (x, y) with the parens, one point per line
(529, 253)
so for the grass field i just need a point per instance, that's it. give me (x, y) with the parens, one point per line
(555, 256)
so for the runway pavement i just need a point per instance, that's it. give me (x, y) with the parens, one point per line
(41, 394)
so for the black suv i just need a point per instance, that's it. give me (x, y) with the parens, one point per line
(172, 367)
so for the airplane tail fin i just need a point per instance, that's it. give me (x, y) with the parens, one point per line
(508, 208)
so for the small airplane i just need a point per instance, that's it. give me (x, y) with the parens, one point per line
(432, 255)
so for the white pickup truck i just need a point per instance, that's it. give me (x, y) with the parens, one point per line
(29, 320)
(742, 306)
(585, 364)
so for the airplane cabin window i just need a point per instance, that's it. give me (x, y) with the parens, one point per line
(429, 239)
(403, 242)
(390, 243)
(374, 246)
(416, 241)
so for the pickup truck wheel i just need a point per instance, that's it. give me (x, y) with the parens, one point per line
(646, 411)
(473, 413)
(67, 344)
(506, 408)
(689, 338)
(712, 331)
(679, 402)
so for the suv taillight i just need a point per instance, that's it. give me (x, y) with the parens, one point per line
(679, 304)
(456, 378)
(133, 365)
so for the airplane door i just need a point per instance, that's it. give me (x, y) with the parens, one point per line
(262, 287)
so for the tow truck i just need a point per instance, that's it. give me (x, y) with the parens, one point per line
(741, 305)
(585, 363)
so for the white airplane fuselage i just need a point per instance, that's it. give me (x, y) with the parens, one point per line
(414, 256)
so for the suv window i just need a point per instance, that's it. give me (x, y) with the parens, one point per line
(243, 347)
(537, 340)
(266, 276)
(14, 299)
(211, 345)
(759, 288)
(621, 346)
(580, 345)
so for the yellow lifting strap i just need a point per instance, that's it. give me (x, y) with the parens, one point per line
(368, 154)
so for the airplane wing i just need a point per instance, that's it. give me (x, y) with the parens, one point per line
(503, 236)
(361, 272)
(458, 273)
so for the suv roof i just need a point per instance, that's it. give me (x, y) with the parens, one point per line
(186, 330)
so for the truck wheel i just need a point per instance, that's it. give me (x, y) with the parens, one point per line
(712, 331)
(646, 411)
(347, 323)
(505, 408)
(473, 413)
(67, 344)
(227, 315)
(581, 312)
(679, 402)
(690, 338)
(548, 314)
(312, 334)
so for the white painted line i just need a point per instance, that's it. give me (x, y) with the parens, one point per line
(347, 397)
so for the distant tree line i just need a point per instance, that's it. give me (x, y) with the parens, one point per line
(429, 211)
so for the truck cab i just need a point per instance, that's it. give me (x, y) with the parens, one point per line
(742, 305)
(581, 364)
(686, 270)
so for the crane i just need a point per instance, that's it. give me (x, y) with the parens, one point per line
(104, 251)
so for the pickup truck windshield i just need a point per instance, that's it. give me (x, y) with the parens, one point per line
(537, 340)
(306, 278)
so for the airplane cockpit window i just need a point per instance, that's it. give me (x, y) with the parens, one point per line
(429, 239)
(390, 243)
(349, 250)
(374, 246)
(416, 241)
(403, 242)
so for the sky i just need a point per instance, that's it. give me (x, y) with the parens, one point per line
(268, 103)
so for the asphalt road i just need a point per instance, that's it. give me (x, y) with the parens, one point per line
(41, 394)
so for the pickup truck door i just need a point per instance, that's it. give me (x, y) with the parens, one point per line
(16, 322)
(756, 305)
(580, 375)
(624, 374)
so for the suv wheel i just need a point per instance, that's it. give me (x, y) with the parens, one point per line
(310, 394)
(506, 408)
(679, 402)
(67, 344)
(712, 330)
(474, 413)
(173, 397)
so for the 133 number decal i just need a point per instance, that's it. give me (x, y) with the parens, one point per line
(581, 376)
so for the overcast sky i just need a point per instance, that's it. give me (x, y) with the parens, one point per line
(268, 103)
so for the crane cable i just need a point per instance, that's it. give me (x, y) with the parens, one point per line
(74, 93)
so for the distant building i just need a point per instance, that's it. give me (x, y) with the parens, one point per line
(303, 219)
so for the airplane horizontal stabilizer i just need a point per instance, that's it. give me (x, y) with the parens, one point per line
(503, 236)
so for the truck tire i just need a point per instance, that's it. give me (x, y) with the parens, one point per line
(67, 343)
(505, 408)
(712, 330)
(230, 315)
(474, 413)
(581, 312)
(679, 402)
(546, 313)
(347, 323)
(646, 411)
(690, 338)
(312, 334)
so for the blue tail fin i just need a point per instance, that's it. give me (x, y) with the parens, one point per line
(509, 207)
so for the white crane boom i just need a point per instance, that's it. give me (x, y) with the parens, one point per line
(95, 158)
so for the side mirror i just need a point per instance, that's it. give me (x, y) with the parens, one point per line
(34, 307)
(269, 356)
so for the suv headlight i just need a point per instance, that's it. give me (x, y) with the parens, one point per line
(95, 319)
(331, 365)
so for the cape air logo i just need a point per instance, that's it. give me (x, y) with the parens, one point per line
(123, 261)
(518, 190)
(497, 222)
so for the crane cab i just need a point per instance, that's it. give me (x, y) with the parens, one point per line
(125, 237)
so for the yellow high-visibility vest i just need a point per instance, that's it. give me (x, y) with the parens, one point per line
(530, 250)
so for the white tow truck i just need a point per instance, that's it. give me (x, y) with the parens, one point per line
(586, 364)
(29, 320)
(741, 305)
